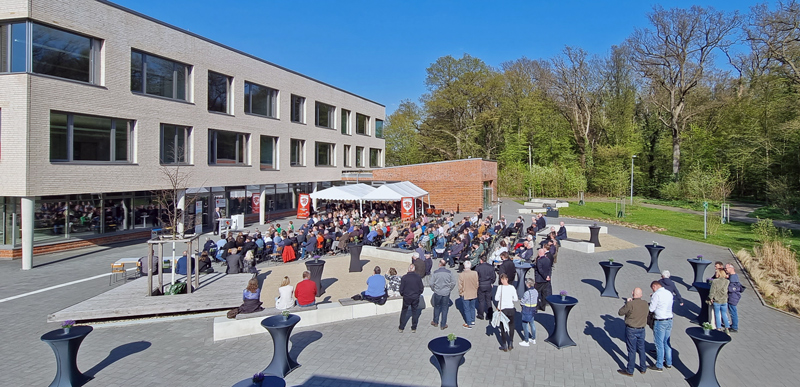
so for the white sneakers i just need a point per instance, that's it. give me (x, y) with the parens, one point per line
(527, 343)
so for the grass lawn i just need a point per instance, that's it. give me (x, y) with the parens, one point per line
(697, 206)
(734, 235)
(772, 213)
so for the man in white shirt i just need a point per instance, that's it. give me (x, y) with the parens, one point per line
(661, 305)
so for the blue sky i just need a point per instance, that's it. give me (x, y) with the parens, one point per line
(380, 49)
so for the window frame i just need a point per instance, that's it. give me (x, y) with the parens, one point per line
(275, 154)
(346, 153)
(331, 154)
(70, 140)
(188, 70)
(187, 139)
(273, 94)
(301, 115)
(228, 93)
(242, 148)
(378, 164)
(378, 132)
(366, 124)
(345, 117)
(360, 157)
(301, 153)
(331, 115)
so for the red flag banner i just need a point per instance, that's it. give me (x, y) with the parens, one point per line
(304, 206)
(407, 208)
(255, 200)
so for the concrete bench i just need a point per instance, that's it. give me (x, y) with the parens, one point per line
(577, 245)
(544, 203)
(273, 311)
(392, 254)
(350, 301)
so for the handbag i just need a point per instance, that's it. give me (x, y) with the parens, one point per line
(651, 320)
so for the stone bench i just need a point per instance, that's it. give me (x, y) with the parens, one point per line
(392, 254)
(577, 245)
(350, 301)
(544, 203)
(267, 312)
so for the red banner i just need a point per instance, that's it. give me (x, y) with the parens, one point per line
(304, 206)
(407, 208)
(255, 200)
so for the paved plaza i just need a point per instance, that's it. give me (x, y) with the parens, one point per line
(370, 351)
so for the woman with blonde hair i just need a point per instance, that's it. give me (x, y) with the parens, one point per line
(251, 297)
(285, 300)
(718, 295)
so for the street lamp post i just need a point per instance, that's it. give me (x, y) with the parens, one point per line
(632, 157)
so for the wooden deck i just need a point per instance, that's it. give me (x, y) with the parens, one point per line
(216, 291)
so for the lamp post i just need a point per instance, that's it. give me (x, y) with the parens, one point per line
(632, 157)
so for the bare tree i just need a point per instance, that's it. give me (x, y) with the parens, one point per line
(776, 35)
(673, 56)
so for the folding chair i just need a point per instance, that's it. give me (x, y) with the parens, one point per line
(117, 268)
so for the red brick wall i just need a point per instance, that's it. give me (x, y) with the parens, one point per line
(452, 185)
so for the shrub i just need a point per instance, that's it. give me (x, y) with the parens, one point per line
(671, 191)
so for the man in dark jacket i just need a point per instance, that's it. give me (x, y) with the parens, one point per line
(668, 284)
(561, 234)
(235, 262)
(735, 289)
(486, 278)
(418, 263)
(410, 289)
(507, 267)
(542, 272)
(541, 223)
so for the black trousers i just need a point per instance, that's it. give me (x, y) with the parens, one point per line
(413, 304)
(484, 300)
(545, 289)
(508, 337)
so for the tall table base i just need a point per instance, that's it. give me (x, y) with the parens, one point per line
(703, 289)
(522, 271)
(654, 251)
(708, 347)
(610, 269)
(699, 268)
(280, 330)
(449, 357)
(559, 337)
(355, 257)
(65, 346)
(316, 267)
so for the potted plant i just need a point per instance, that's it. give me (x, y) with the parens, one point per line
(699, 257)
(706, 328)
(611, 261)
(563, 295)
(452, 339)
(285, 315)
(66, 325)
(258, 379)
(655, 244)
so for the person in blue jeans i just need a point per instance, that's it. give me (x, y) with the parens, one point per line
(635, 312)
(442, 284)
(661, 304)
(528, 303)
(734, 295)
(468, 290)
(719, 298)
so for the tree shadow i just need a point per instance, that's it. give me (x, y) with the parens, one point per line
(599, 335)
(302, 340)
(597, 284)
(117, 354)
(638, 263)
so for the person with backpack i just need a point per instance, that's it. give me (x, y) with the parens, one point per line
(735, 290)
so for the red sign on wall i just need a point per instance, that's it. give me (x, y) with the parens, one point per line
(304, 206)
(255, 200)
(407, 208)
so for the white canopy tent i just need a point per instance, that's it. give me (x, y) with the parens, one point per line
(396, 191)
(344, 192)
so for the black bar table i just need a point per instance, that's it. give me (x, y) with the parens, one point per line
(65, 346)
(280, 329)
(355, 257)
(315, 267)
(611, 269)
(522, 271)
(703, 289)
(559, 337)
(594, 235)
(654, 250)
(269, 381)
(699, 266)
(708, 347)
(449, 357)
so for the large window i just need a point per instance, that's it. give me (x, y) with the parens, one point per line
(298, 109)
(175, 144)
(12, 48)
(346, 156)
(158, 76)
(219, 92)
(64, 54)
(374, 158)
(345, 121)
(379, 128)
(362, 123)
(76, 137)
(360, 157)
(324, 116)
(297, 157)
(324, 154)
(260, 100)
(227, 148)
(269, 153)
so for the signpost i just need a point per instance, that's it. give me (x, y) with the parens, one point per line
(705, 220)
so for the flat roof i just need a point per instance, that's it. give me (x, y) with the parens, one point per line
(165, 24)
(438, 162)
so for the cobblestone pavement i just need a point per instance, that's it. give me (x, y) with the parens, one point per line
(370, 351)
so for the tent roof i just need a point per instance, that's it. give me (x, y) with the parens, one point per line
(343, 192)
(395, 191)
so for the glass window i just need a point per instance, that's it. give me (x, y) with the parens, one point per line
(297, 157)
(379, 128)
(362, 122)
(374, 158)
(346, 156)
(218, 92)
(62, 54)
(298, 109)
(260, 100)
(158, 76)
(345, 121)
(324, 154)
(360, 156)
(324, 116)
(227, 148)
(269, 145)
(89, 138)
(175, 144)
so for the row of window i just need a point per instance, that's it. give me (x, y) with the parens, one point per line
(40, 49)
(75, 137)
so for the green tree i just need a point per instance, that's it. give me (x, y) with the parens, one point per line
(401, 132)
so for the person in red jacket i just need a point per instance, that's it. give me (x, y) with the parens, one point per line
(306, 291)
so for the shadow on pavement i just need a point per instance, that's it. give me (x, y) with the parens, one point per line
(318, 380)
(302, 340)
(638, 263)
(599, 335)
(597, 284)
(117, 354)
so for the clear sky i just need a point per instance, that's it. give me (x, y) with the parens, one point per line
(379, 49)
